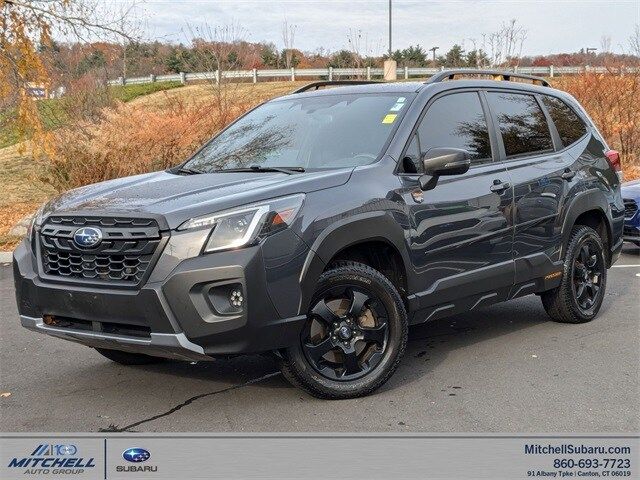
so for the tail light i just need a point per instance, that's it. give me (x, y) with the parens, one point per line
(614, 160)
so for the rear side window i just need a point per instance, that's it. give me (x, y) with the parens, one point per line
(569, 125)
(522, 124)
(456, 121)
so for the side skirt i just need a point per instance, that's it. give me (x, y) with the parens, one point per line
(533, 274)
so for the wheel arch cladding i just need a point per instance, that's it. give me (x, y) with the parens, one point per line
(362, 237)
(590, 208)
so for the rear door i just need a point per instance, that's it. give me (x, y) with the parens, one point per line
(460, 234)
(541, 171)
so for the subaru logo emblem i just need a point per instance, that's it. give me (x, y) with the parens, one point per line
(136, 455)
(87, 237)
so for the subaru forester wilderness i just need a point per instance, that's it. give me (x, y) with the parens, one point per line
(322, 224)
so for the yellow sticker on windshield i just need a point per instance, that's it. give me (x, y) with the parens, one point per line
(389, 118)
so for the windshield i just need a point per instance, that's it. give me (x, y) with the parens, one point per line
(321, 132)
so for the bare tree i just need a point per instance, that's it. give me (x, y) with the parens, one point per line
(505, 44)
(217, 49)
(288, 38)
(361, 47)
(634, 41)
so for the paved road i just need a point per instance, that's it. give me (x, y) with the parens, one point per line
(503, 369)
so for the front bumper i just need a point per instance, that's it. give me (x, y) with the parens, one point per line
(166, 345)
(631, 232)
(176, 313)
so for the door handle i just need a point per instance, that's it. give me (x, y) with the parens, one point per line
(568, 174)
(499, 186)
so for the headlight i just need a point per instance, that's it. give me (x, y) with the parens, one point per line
(36, 222)
(246, 225)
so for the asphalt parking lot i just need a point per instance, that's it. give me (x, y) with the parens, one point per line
(506, 368)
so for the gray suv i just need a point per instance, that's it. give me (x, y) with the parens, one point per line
(322, 224)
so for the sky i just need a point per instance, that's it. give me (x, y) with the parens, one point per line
(552, 26)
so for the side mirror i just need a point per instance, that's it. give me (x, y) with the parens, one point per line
(443, 161)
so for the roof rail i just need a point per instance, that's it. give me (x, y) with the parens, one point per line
(332, 83)
(496, 74)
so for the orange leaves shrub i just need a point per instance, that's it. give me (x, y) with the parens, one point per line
(613, 102)
(135, 138)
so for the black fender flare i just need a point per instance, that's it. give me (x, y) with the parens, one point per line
(584, 202)
(360, 228)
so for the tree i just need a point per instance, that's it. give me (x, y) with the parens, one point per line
(175, 62)
(342, 59)
(506, 43)
(455, 57)
(634, 41)
(414, 56)
(477, 58)
(26, 30)
(288, 37)
(91, 61)
(269, 55)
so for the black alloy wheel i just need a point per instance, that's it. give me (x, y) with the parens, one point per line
(588, 267)
(354, 337)
(579, 296)
(346, 333)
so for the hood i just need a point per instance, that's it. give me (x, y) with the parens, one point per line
(631, 190)
(178, 198)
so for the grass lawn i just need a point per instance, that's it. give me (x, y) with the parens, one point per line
(126, 93)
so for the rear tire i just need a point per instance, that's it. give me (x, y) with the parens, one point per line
(128, 358)
(584, 279)
(355, 335)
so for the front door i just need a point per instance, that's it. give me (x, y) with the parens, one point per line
(460, 235)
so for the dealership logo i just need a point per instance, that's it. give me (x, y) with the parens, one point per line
(87, 237)
(136, 455)
(54, 459)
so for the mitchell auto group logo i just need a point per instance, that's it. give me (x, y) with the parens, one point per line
(53, 459)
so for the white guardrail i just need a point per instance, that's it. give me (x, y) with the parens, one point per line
(331, 73)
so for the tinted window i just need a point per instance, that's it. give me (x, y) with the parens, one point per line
(319, 132)
(569, 125)
(456, 121)
(522, 123)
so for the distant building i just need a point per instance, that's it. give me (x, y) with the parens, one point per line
(39, 92)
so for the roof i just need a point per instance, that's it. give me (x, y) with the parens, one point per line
(507, 79)
(374, 87)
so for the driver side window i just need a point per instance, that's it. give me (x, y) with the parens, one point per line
(452, 121)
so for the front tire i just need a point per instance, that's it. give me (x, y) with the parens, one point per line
(584, 279)
(128, 358)
(354, 338)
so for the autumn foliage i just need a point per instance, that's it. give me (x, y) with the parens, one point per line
(140, 137)
(613, 102)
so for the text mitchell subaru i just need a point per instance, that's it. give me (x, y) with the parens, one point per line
(321, 224)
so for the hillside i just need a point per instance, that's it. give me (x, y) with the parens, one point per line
(21, 176)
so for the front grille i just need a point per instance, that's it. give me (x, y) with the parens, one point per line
(124, 256)
(630, 207)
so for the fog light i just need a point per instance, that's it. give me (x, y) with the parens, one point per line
(235, 298)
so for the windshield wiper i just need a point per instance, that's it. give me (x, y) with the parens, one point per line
(258, 168)
(188, 171)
